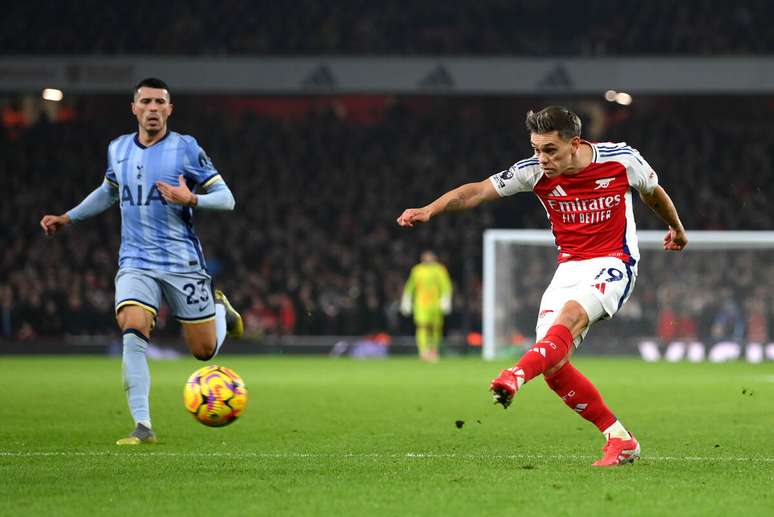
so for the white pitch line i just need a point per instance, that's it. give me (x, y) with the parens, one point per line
(376, 455)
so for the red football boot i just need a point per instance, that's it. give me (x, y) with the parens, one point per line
(619, 452)
(505, 386)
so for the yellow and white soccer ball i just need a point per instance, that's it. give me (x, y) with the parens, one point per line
(215, 395)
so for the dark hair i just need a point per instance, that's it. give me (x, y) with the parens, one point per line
(151, 82)
(554, 118)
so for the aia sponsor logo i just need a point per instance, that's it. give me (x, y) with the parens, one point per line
(140, 197)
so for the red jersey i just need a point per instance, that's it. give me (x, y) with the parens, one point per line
(590, 212)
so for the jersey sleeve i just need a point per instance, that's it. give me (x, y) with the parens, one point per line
(197, 166)
(519, 177)
(110, 175)
(100, 199)
(640, 174)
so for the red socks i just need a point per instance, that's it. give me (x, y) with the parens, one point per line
(571, 385)
(546, 353)
(581, 396)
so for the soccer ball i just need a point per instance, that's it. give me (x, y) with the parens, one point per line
(215, 395)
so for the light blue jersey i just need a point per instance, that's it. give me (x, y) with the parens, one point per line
(156, 234)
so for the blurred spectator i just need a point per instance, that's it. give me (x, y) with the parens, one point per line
(728, 322)
(313, 247)
(676, 324)
(7, 312)
(430, 27)
(757, 319)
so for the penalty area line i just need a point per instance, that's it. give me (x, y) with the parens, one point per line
(375, 455)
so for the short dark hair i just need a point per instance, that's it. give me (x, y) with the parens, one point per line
(151, 82)
(554, 118)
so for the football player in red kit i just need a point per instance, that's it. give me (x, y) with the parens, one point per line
(585, 189)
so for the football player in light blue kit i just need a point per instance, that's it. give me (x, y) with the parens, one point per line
(158, 177)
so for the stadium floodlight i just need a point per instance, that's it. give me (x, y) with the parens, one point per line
(623, 98)
(52, 94)
(720, 276)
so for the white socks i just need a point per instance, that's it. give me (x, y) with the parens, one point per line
(617, 430)
(220, 326)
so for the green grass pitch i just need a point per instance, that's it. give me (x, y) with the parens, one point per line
(337, 437)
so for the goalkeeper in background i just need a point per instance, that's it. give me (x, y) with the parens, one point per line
(428, 291)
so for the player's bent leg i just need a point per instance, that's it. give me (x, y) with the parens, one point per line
(547, 353)
(572, 316)
(558, 366)
(235, 328)
(201, 339)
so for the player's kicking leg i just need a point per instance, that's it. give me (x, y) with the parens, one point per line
(575, 390)
(505, 385)
(553, 348)
(550, 356)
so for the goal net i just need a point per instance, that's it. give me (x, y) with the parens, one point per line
(711, 301)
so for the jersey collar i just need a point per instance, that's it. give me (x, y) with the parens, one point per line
(138, 144)
(594, 155)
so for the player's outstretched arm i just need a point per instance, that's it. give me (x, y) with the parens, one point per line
(463, 197)
(100, 199)
(660, 202)
(53, 223)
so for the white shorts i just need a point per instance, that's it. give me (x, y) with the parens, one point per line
(600, 285)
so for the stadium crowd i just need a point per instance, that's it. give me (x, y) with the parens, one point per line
(353, 27)
(313, 247)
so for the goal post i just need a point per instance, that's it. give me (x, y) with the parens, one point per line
(722, 279)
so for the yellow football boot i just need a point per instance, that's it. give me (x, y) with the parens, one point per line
(140, 435)
(234, 325)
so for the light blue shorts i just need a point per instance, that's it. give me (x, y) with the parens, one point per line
(189, 295)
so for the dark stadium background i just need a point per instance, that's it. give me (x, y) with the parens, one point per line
(320, 175)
